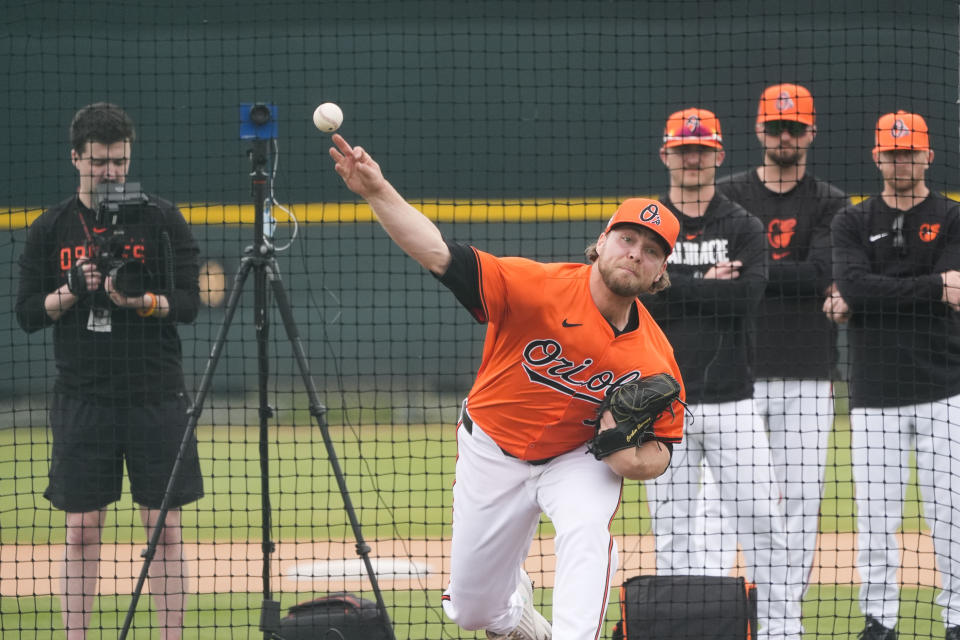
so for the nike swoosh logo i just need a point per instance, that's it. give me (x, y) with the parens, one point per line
(571, 324)
(779, 255)
(877, 236)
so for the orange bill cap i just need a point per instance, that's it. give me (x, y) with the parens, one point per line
(786, 102)
(901, 130)
(693, 126)
(651, 214)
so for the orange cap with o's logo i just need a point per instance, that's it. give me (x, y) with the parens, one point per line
(901, 131)
(693, 126)
(786, 102)
(651, 214)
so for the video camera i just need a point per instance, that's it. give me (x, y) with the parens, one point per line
(117, 206)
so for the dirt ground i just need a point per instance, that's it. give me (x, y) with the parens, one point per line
(27, 570)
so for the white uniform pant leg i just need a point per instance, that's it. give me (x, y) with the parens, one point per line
(798, 415)
(672, 501)
(495, 515)
(799, 418)
(720, 537)
(880, 443)
(938, 477)
(738, 452)
(581, 496)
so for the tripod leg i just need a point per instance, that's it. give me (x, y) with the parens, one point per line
(319, 411)
(194, 411)
(270, 608)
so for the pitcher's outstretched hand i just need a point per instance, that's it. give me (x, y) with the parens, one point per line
(359, 171)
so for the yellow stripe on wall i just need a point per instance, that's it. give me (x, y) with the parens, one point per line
(437, 210)
(520, 210)
(534, 210)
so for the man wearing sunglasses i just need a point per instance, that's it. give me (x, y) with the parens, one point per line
(895, 262)
(795, 344)
(718, 274)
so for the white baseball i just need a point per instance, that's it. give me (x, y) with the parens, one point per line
(328, 117)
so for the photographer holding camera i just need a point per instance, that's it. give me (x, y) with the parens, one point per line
(114, 272)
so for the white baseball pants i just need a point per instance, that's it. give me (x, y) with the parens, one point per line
(497, 502)
(798, 417)
(728, 438)
(881, 440)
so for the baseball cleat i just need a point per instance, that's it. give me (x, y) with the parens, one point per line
(876, 631)
(532, 625)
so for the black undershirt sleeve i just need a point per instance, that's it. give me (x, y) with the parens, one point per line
(462, 277)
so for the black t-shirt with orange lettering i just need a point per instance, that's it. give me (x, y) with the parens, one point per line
(794, 338)
(137, 359)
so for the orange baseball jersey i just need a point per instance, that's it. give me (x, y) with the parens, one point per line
(549, 357)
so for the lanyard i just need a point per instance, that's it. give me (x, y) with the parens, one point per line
(83, 223)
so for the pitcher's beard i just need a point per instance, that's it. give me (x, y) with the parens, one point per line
(622, 286)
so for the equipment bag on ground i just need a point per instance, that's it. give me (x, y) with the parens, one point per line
(350, 616)
(687, 608)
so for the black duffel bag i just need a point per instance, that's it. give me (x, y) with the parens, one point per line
(343, 613)
(687, 607)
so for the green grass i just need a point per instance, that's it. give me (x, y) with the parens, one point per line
(398, 478)
(398, 481)
(830, 611)
(414, 614)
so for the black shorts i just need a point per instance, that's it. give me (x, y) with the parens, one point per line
(92, 440)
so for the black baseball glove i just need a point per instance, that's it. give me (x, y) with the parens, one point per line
(635, 407)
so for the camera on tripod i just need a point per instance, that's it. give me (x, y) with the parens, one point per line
(117, 206)
(258, 121)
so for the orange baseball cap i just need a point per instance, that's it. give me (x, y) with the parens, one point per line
(901, 130)
(786, 102)
(651, 214)
(693, 126)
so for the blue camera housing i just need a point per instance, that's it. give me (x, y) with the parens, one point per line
(254, 128)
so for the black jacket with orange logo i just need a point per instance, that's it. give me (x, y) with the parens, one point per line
(904, 342)
(794, 338)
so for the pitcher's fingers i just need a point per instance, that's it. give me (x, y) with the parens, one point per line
(342, 144)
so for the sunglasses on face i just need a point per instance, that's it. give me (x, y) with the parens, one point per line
(776, 127)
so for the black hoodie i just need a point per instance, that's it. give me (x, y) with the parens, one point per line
(709, 322)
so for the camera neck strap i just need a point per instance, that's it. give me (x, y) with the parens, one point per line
(83, 222)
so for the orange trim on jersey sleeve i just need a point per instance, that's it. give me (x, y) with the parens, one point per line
(483, 298)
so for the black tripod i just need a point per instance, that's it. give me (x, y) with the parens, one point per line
(261, 260)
